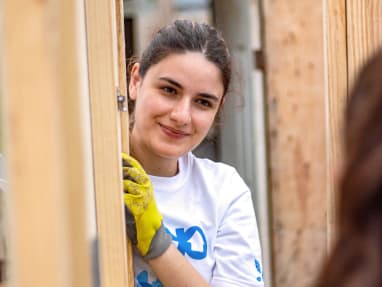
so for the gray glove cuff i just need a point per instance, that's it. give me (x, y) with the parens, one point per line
(161, 241)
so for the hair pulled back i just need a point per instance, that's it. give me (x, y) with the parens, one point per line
(187, 36)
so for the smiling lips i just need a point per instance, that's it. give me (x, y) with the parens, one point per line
(173, 133)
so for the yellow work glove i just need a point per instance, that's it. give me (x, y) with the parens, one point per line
(144, 223)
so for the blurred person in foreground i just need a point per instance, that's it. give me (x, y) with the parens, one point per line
(356, 258)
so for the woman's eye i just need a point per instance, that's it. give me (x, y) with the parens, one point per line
(169, 90)
(204, 103)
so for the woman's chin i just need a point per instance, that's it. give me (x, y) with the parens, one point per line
(171, 152)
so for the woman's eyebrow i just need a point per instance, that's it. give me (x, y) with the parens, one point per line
(209, 96)
(175, 83)
(171, 81)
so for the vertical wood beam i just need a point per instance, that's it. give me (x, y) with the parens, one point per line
(122, 83)
(44, 144)
(335, 60)
(74, 129)
(103, 79)
(124, 115)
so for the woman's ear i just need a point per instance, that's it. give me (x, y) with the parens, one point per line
(135, 80)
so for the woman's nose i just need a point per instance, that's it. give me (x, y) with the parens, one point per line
(181, 112)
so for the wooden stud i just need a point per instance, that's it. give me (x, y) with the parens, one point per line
(335, 96)
(103, 79)
(122, 83)
(124, 115)
(75, 136)
(44, 144)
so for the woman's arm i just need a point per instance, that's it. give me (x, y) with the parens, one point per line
(173, 270)
(145, 229)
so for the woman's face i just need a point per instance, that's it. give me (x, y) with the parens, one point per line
(175, 104)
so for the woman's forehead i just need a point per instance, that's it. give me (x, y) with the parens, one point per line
(189, 69)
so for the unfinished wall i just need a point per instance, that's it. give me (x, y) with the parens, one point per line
(296, 115)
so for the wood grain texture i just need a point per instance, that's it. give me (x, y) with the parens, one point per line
(44, 146)
(106, 142)
(335, 94)
(296, 135)
(122, 82)
(124, 115)
(364, 33)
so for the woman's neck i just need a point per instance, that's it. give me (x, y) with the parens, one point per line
(153, 164)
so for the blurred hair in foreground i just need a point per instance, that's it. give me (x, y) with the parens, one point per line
(356, 259)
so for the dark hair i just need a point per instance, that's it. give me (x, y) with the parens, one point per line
(187, 36)
(356, 259)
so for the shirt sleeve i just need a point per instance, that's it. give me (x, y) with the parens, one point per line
(237, 248)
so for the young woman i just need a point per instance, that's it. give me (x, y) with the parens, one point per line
(200, 227)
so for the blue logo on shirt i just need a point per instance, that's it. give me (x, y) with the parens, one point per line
(143, 278)
(258, 268)
(185, 239)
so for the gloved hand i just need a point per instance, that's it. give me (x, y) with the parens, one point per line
(143, 220)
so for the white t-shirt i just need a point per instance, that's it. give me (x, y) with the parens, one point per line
(207, 209)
